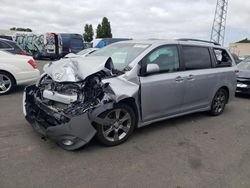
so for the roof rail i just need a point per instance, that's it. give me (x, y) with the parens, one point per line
(198, 40)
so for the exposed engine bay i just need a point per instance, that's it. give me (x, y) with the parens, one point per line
(73, 98)
(70, 99)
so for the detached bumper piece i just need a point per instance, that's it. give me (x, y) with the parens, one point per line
(69, 132)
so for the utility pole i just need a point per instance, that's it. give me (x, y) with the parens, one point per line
(219, 23)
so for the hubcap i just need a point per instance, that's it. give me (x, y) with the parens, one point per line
(219, 102)
(5, 83)
(120, 123)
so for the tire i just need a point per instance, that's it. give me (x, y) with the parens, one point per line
(36, 55)
(123, 121)
(7, 83)
(219, 102)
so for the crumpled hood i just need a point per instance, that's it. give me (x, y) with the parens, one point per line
(77, 69)
(244, 73)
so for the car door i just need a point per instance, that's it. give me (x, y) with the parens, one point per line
(161, 92)
(199, 77)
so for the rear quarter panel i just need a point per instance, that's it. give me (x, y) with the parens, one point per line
(226, 77)
(19, 68)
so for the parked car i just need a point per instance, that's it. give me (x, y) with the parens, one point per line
(82, 53)
(102, 42)
(244, 57)
(11, 46)
(236, 58)
(72, 43)
(128, 85)
(243, 80)
(16, 70)
(8, 37)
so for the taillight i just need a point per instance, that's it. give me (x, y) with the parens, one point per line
(32, 63)
(23, 53)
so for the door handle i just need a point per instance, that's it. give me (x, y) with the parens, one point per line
(190, 77)
(179, 79)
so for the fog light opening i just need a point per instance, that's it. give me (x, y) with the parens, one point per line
(67, 142)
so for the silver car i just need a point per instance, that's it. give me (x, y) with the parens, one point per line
(128, 85)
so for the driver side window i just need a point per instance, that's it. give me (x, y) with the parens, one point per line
(166, 58)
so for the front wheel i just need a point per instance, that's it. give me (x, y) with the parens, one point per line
(122, 123)
(219, 102)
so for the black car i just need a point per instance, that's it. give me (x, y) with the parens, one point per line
(11, 47)
(243, 80)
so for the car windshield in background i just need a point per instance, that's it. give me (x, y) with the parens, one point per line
(245, 65)
(122, 54)
(83, 52)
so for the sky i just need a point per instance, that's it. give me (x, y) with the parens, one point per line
(137, 19)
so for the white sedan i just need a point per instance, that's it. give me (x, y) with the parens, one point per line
(16, 70)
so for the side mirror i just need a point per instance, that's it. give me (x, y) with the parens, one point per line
(152, 68)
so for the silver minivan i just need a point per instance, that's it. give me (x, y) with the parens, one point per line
(128, 85)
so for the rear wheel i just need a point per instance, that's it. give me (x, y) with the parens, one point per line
(6, 83)
(219, 102)
(122, 123)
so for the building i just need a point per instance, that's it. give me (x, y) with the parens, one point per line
(241, 48)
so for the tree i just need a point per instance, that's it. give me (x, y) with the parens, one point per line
(99, 31)
(20, 29)
(106, 28)
(88, 33)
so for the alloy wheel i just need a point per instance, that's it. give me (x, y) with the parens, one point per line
(120, 124)
(5, 84)
(219, 102)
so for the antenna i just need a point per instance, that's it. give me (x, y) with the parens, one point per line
(219, 23)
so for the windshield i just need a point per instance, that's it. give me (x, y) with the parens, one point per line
(245, 65)
(122, 54)
(86, 51)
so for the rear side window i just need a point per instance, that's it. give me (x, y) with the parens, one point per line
(196, 57)
(222, 58)
(4, 45)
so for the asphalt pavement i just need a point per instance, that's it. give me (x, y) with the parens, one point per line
(194, 151)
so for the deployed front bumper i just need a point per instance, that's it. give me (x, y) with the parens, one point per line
(70, 133)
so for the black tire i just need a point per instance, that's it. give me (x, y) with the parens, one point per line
(219, 102)
(117, 125)
(7, 83)
(36, 55)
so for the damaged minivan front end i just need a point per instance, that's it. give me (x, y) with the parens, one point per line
(70, 96)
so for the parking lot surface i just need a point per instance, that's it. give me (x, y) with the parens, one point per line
(191, 151)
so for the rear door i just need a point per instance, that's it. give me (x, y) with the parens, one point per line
(199, 77)
(162, 92)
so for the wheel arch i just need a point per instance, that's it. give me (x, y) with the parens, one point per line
(10, 75)
(227, 90)
(131, 102)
